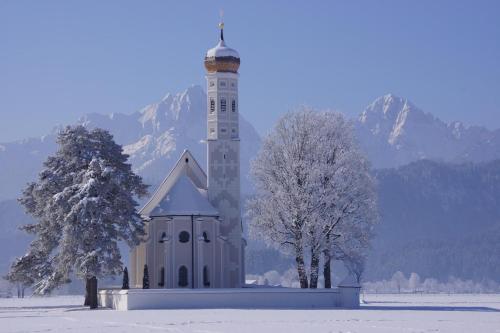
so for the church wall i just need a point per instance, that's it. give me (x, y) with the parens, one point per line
(138, 260)
(206, 251)
(159, 250)
(182, 252)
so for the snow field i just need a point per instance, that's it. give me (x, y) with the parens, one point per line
(379, 313)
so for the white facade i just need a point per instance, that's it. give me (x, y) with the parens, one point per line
(193, 222)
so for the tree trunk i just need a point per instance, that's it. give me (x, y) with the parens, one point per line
(301, 268)
(93, 293)
(314, 270)
(87, 292)
(327, 272)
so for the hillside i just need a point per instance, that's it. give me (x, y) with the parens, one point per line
(438, 220)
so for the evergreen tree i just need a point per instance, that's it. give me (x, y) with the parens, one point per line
(145, 278)
(83, 203)
(125, 279)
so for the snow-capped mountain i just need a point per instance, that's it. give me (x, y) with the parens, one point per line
(394, 132)
(154, 137)
(21, 161)
(391, 130)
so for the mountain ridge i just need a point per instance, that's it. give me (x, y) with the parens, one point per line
(391, 130)
(394, 132)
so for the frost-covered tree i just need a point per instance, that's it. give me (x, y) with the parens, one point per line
(314, 192)
(414, 282)
(399, 281)
(346, 198)
(84, 204)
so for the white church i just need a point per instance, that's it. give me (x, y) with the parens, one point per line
(193, 220)
(193, 248)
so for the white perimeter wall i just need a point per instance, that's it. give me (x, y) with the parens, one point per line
(274, 298)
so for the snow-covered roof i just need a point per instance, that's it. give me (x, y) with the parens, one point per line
(221, 50)
(184, 198)
(183, 192)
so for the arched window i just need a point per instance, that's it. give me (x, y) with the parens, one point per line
(163, 237)
(183, 276)
(205, 237)
(206, 276)
(184, 237)
(212, 105)
(222, 105)
(161, 282)
(233, 106)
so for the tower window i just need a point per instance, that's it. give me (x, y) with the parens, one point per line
(205, 237)
(223, 130)
(187, 160)
(212, 83)
(212, 105)
(183, 276)
(223, 83)
(233, 106)
(223, 105)
(206, 277)
(184, 237)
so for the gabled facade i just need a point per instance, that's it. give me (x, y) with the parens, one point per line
(183, 247)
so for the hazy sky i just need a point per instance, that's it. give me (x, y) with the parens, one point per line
(62, 59)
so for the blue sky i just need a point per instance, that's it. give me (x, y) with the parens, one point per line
(62, 59)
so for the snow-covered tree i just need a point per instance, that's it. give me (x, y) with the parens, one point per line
(346, 197)
(314, 191)
(84, 203)
(414, 282)
(399, 281)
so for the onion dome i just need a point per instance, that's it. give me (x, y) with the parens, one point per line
(222, 58)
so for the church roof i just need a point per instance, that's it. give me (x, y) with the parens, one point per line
(184, 198)
(183, 192)
(221, 50)
(222, 58)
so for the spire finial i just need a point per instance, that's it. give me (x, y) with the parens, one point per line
(221, 24)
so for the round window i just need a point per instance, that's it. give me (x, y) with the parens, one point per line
(184, 237)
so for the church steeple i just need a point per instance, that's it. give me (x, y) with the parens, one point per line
(223, 147)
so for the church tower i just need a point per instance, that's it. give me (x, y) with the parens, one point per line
(223, 160)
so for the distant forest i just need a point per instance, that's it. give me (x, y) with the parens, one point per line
(439, 220)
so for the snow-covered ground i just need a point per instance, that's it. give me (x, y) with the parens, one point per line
(379, 313)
